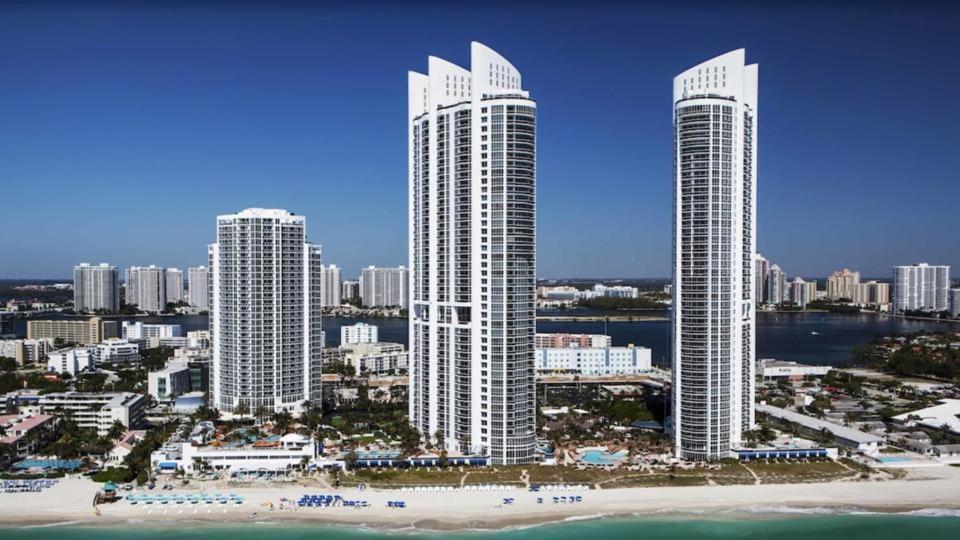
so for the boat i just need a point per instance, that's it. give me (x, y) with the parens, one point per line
(813, 333)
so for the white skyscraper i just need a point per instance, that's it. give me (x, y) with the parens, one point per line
(146, 288)
(715, 171)
(199, 287)
(331, 285)
(265, 312)
(802, 292)
(384, 287)
(776, 288)
(472, 177)
(762, 266)
(96, 287)
(173, 277)
(921, 287)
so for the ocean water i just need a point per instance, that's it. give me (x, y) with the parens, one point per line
(818, 527)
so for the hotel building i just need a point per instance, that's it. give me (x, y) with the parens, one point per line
(146, 288)
(713, 317)
(88, 332)
(472, 179)
(96, 287)
(265, 312)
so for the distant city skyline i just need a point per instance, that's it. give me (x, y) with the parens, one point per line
(174, 115)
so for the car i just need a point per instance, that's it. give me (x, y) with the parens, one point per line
(128, 486)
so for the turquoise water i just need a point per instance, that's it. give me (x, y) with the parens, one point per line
(893, 459)
(839, 527)
(599, 457)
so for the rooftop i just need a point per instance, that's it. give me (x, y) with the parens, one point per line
(936, 416)
(815, 423)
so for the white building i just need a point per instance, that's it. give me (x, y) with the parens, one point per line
(920, 287)
(776, 285)
(73, 360)
(715, 131)
(25, 351)
(614, 291)
(117, 351)
(139, 330)
(265, 312)
(199, 287)
(96, 410)
(173, 278)
(947, 413)
(370, 358)
(358, 333)
(198, 339)
(331, 285)
(773, 369)
(854, 439)
(955, 302)
(593, 360)
(384, 287)
(802, 292)
(146, 288)
(761, 267)
(96, 287)
(560, 340)
(472, 223)
(171, 381)
(292, 450)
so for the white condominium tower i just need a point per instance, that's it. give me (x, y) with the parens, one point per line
(331, 285)
(174, 285)
(921, 287)
(96, 287)
(146, 288)
(472, 175)
(384, 287)
(715, 133)
(265, 312)
(199, 287)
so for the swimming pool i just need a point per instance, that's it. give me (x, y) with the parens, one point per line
(600, 457)
(893, 459)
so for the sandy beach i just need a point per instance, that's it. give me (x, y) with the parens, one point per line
(70, 501)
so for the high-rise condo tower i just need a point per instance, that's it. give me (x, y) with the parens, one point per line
(715, 172)
(472, 181)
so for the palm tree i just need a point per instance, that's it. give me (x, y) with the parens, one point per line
(116, 430)
(261, 412)
(282, 421)
(242, 410)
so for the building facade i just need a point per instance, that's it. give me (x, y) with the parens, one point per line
(349, 290)
(761, 268)
(199, 287)
(873, 293)
(332, 285)
(472, 230)
(96, 288)
(97, 410)
(596, 361)
(802, 292)
(146, 288)
(173, 279)
(26, 351)
(358, 333)
(920, 287)
(88, 332)
(171, 381)
(265, 320)
(715, 137)
(73, 360)
(843, 284)
(776, 287)
(384, 287)
(556, 341)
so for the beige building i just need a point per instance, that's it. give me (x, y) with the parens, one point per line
(873, 293)
(85, 332)
(25, 351)
(843, 284)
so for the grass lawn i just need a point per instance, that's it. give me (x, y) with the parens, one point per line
(402, 477)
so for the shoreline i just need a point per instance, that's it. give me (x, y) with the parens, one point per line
(922, 492)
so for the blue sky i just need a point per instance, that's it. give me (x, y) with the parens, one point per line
(124, 131)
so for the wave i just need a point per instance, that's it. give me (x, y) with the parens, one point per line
(51, 525)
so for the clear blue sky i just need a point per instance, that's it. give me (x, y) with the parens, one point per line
(124, 131)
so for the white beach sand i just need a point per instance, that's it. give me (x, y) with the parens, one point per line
(71, 501)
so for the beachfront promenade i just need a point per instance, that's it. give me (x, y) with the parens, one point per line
(70, 500)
